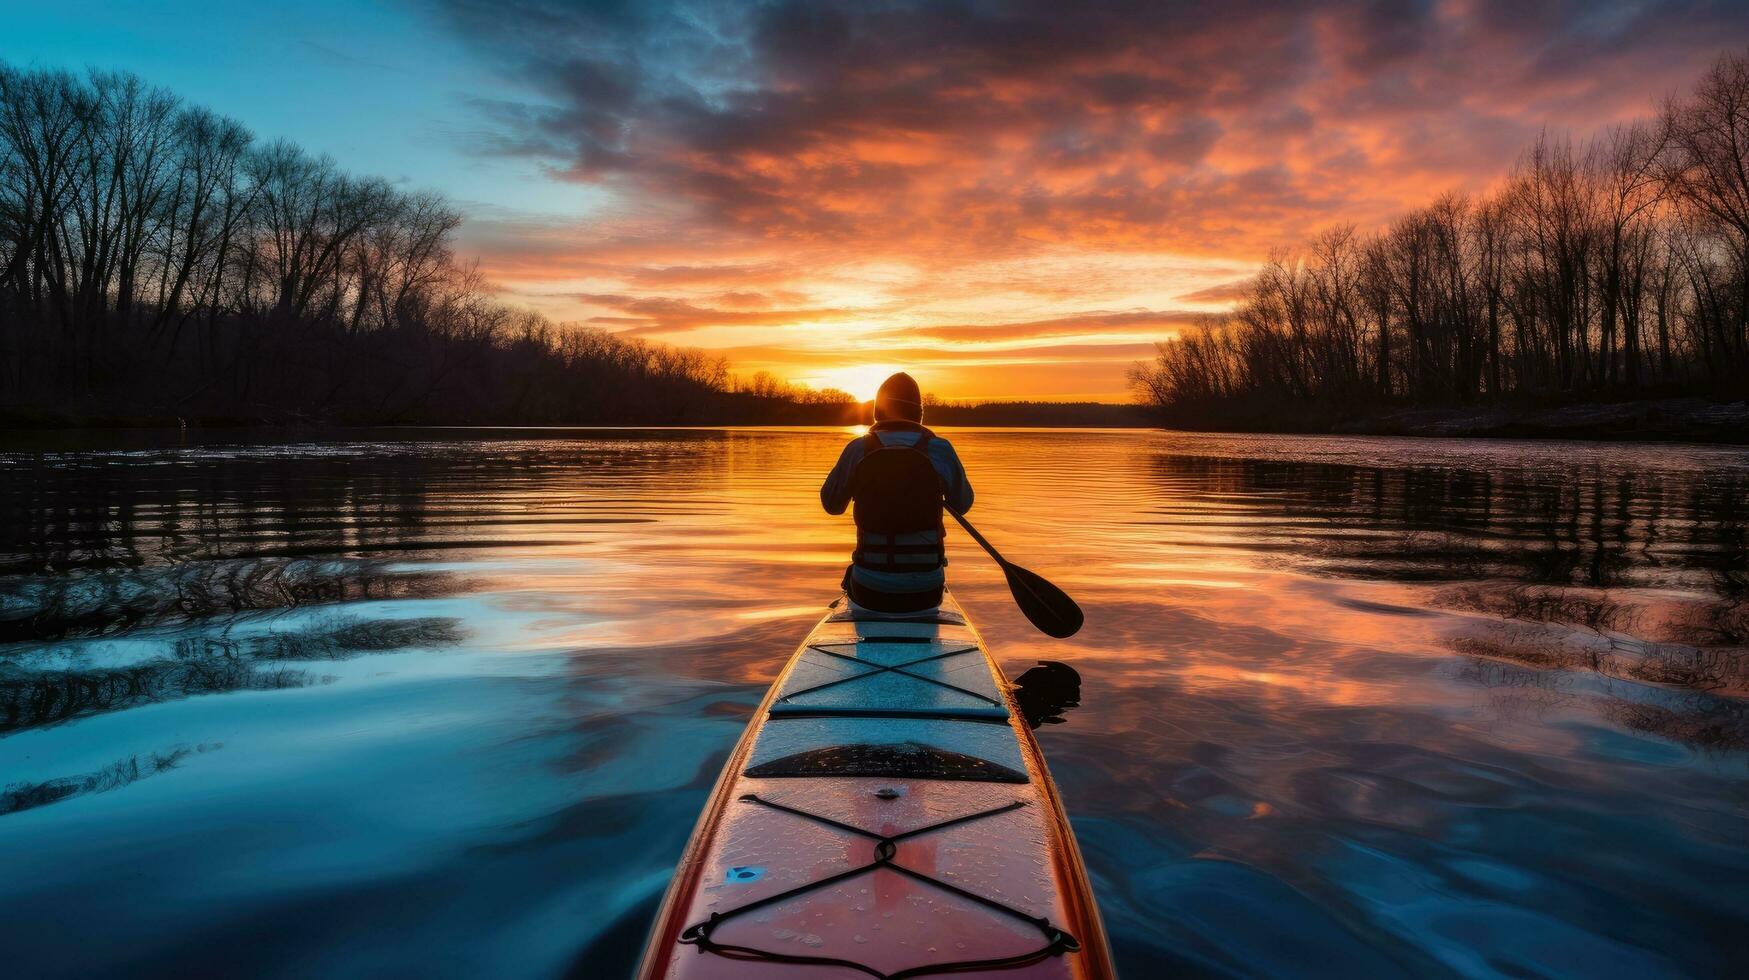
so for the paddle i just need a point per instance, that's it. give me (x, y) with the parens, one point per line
(1048, 607)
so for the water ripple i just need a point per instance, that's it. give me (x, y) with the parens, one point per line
(1347, 706)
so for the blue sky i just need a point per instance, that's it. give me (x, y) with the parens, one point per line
(381, 87)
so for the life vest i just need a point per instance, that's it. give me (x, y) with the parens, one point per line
(897, 492)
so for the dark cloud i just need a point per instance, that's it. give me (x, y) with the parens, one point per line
(752, 150)
(896, 122)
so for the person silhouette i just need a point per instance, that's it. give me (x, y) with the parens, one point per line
(899, 475)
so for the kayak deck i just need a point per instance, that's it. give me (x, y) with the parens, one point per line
(887, 813)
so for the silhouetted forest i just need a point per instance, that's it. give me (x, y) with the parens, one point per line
(1024, 414)
(1614, 269)
(157, 261)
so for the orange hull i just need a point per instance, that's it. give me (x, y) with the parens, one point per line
(888, 813)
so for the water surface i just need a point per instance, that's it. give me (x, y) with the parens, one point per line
(448, 702)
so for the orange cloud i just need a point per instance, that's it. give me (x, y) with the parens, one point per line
(832, 179)
(654, 314)
(1067, 326)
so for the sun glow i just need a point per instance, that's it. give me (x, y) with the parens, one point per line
(862, 380)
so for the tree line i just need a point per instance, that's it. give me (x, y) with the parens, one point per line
(1616, 268)
(157, 260)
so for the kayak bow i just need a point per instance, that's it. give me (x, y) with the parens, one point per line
(887, 813)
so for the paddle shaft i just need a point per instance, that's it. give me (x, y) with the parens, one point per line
(978, 537)
(1044, 605)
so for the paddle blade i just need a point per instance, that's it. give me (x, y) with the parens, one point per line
(1046, 606)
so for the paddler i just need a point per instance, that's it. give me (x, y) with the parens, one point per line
(899, 475)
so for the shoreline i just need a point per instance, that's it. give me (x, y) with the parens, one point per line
(1672, 420)
(1003, 415)
(1659, 420)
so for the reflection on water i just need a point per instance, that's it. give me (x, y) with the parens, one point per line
(449, 702)
(1046, 691)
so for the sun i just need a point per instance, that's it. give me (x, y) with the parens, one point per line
(861, 380)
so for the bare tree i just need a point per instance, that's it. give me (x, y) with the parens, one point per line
(1615, 268)
(1710, 174)
(155, 258)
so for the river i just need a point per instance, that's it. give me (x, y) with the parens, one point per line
(447, 702)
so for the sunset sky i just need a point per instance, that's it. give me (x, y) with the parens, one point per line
(1012, 200)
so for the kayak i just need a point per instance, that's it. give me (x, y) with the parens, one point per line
(887, 813)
